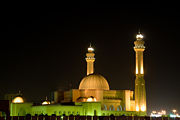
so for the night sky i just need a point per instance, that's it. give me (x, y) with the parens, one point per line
(45, 51)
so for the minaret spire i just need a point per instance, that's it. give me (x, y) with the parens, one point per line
(140, 92)
(90, 60)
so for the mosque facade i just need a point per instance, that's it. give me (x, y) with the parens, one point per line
(94, 96)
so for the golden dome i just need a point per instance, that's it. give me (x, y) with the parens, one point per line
(18, 100)
(46, 103)
(94, 81)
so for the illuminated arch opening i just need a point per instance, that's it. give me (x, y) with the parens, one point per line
(111, 108)
(119, 108)
(104, 107)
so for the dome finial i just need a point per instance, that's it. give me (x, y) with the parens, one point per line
(90, 44)
(19, 92)
(139, 30)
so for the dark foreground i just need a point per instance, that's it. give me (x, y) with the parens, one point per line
(86, 118)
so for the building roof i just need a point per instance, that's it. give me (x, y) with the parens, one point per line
(94, 81)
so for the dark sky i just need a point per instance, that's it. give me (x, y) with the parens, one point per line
(44, 51)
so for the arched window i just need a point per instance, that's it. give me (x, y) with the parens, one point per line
(59, 112)
(119, 108)
(104, 107)
(78, 113)
(111, 108)
(64, 113)
(73, 113)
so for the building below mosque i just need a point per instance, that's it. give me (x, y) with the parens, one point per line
(94, 96)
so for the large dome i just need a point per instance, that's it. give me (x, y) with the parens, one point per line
(94, 81)
(18, 99)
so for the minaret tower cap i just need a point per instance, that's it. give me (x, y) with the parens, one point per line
(90, 48)
(139, 36)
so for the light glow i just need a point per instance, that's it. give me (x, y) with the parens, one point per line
(137, 108)
(158, 114)
(136, 69)
(142, 71)
(155, 115)
(46, 103)
(174, 111)
(154, 112)
(90, 49)
(18, 100)
(173, 115)
(143, 108)
(163, 112)
(139, 36)
(89, 100)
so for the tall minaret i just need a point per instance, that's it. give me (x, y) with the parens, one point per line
(140, 91)
(90, 60)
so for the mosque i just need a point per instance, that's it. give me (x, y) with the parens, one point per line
(94, 96)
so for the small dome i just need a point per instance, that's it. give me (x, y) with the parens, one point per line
(18, 100)
(91, 99)
(94, 81)
(46, 103)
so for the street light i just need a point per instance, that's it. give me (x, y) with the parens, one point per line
(174, 111)
(163, 112)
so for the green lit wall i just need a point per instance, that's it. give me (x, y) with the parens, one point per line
(57, 109)
(20, 109)
(84, 108)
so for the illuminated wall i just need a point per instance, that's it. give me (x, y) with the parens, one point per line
(20, 109)
(84, 108)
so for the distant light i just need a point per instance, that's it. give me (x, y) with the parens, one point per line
(90, 49)
(139, 36)
(155, 115)
(172, 116)
(174, 111)
(46, 103)
(154, 112)
(163, 112)
(158, 114)
(18, 100)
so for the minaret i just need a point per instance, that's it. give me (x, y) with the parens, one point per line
(90, 60)
(140, 91)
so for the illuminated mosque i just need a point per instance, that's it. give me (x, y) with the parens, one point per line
(94, 96)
